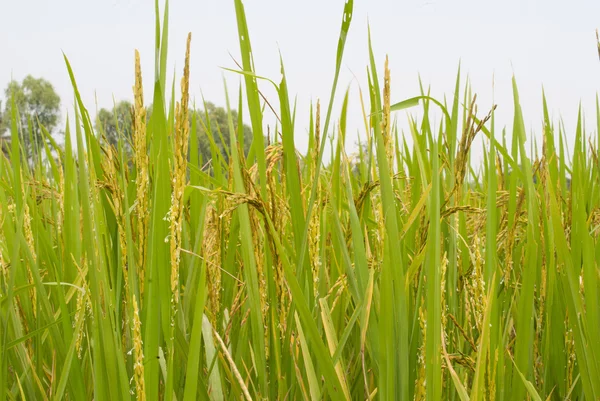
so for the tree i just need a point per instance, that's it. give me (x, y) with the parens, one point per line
(36, 101)
(218, 123)
(120, 120)
(117, 121)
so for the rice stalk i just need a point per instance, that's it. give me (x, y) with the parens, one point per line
(28, 232)
(421, 382)
(140, 384)
(314, 232)
(179, 176)
(386, 125)
(406, 272)
(140, 150)
(212, 254)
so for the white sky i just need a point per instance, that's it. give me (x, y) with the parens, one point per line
(549, 43)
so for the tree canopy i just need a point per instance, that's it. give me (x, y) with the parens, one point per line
(219, 128)
(36, 101)
(119, 121)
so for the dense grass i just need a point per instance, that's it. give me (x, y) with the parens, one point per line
(406, 273)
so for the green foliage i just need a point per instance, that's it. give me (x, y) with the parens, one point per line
(37, 104)
(116, 122)
(404, 274)
(209, 120)
(213, 120)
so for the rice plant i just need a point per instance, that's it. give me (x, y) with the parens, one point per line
(406, 273)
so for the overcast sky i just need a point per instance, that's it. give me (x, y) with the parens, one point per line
(549, 43)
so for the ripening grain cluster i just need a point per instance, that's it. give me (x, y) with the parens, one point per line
(404, 272)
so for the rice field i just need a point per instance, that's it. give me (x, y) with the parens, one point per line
(406, 273)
